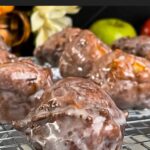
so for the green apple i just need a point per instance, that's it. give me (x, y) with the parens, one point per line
(111, 29)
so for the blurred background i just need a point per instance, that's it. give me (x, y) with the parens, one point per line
(136, 15)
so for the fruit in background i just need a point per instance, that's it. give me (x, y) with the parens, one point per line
(111, 29)
(146, 28)
(48, 20)
(6, 9)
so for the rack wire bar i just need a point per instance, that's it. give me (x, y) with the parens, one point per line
(137, 134)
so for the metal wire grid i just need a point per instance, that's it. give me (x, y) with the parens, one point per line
(137, 134)
(10, 139)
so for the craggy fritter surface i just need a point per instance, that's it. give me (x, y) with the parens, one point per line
(80, 55)
(52, 49)
(139, 45)
(76, 114)
(125, 77)
(21, 87)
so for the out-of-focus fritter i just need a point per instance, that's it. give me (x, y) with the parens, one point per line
(125, 77)
(52, 49)
(21, 87)
(139, 45)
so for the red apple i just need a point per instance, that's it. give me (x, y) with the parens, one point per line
(146, 28)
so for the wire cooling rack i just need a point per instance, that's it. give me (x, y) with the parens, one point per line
(137, 134)
(10, 139)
